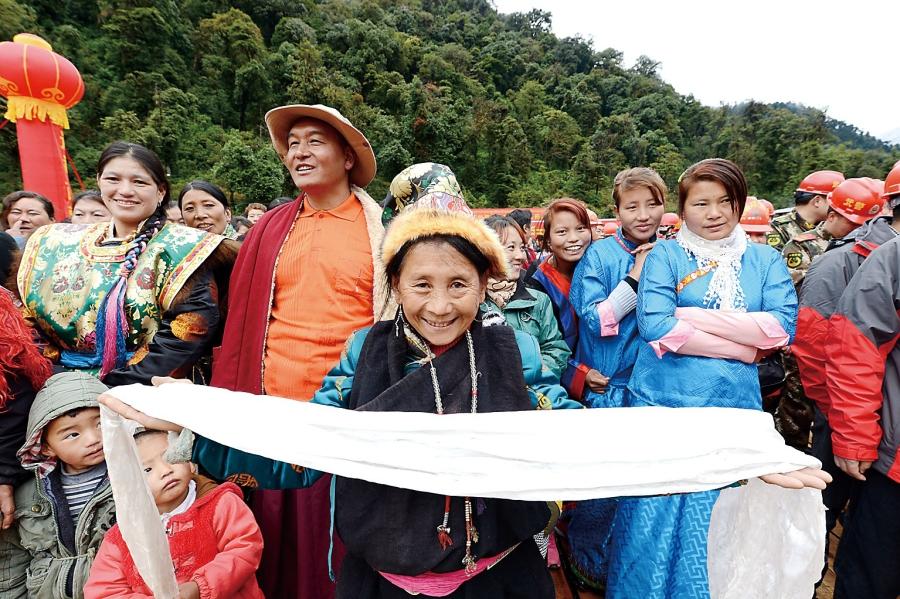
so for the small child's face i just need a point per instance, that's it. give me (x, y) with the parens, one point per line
(168, 482)
(75, 440)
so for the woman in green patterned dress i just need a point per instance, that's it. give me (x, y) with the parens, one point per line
(133, 298)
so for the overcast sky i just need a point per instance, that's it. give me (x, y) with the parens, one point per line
(841, 57)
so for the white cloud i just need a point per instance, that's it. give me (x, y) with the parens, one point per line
(841, 57)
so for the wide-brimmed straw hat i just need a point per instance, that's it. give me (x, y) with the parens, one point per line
(279, 121)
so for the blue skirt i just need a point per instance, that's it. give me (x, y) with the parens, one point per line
(659, 547)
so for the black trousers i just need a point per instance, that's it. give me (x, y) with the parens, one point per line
(867, 565)
(838, 492)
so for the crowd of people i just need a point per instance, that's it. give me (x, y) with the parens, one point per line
(414, 305)
(200, 205)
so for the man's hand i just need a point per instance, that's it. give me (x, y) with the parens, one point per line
(595, 381)
(853, 468)
(16, 230)
(7, 506)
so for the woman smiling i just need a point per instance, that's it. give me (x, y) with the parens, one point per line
(567, 235)
(205, 207)
(132, 298)
(435, 356)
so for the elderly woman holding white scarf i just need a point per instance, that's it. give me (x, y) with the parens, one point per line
(710, 304)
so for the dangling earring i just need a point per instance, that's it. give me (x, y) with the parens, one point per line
(399, 320)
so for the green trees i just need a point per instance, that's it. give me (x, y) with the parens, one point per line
(519, 114)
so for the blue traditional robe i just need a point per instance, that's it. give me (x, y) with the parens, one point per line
(659, 543)
(605, 264)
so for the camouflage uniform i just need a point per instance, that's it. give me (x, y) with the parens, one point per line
(794, 414)
(785, 227)
(800, 251)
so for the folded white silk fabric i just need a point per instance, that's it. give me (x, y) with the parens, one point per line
(136, 511)
(535, 455)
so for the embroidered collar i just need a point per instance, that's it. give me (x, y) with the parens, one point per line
(723, 256)
(627, 245)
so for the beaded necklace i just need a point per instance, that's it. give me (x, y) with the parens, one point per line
(622, 243)
(443, 529)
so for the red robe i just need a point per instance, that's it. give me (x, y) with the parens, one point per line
(237, 364)
(294, 524)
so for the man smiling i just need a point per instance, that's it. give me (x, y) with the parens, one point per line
(307, 276)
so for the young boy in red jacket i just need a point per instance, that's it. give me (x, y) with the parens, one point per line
(214, 540)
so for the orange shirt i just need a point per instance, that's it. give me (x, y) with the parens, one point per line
(323, 292)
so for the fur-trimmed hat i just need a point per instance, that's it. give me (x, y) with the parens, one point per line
(420, 224)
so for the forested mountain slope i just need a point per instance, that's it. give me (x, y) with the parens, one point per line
(520, 114)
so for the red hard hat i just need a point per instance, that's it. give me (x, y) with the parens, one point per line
(821, 182)
(856, 199)
(891, 182)
(876, 185)
(756, 217)
(610, 227)
(669, 219)
(769, 206)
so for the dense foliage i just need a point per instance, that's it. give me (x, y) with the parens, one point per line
(519, 114)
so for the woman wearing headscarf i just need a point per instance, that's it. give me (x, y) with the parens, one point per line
(710, 304)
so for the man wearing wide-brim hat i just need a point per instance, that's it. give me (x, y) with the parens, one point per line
(307, 276)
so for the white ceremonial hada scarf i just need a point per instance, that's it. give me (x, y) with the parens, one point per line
(764, 541)
(723, 257)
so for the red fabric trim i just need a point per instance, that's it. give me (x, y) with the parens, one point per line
(864, 248)
(578, 380)
(855, 374)
(238, 363)
(556, 277)
(894, 472)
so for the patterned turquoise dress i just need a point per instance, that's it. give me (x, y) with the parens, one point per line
(659, 546)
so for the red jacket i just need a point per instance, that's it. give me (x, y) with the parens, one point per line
(216, 543)
(862, 369)
(825, 282)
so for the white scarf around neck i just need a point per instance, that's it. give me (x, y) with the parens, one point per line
(723, 256)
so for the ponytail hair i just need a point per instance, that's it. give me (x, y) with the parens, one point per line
(112, 325)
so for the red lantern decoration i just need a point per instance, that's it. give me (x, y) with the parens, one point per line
(39, 86)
